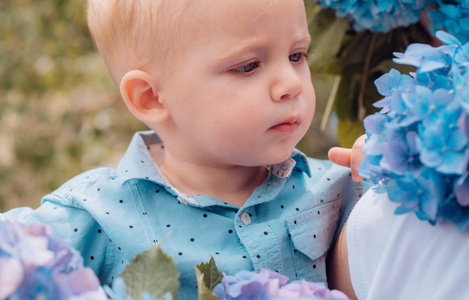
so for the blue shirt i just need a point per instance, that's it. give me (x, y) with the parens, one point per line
(286, 225)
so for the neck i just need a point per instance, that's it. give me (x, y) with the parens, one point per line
(232, 184)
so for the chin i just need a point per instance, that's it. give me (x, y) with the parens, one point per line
(272, 155)
(280, 157)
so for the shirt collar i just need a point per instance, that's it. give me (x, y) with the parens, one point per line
(138, 164)
(297, 161)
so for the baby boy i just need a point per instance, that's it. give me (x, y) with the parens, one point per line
(225, 88)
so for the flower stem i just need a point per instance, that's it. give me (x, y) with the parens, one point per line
(330, 102)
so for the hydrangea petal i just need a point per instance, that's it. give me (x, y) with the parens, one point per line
(82, 281)
(35, 249)
(274, 286)
(375, 124)
(11, 276)
(453, 163)
(447, 38)
(431, 157)
(461, 190)
(387, 82)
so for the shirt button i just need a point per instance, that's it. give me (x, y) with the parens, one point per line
(245, 218)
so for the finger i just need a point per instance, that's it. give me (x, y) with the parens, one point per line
(340, 156)
(360, 142)
(356, 157)
(355, 176)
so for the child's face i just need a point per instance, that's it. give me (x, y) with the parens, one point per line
(241, 92)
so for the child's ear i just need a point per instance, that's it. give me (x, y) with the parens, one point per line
(139, 90)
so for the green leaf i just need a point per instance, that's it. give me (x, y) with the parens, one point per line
(386, 65)
(203, 291)
(210, 273)
(355, 48)
(347, 97)
(348, 132)
(327, 33)
(151, 271)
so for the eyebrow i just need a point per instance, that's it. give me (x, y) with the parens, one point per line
(250, 46)
(239, 51)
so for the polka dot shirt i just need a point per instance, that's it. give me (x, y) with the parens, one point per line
(287, 224)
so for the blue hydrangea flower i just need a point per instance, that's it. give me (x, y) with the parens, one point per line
(418, 145)
(426, 57)
(376, 126)
(426, 104)
(421, 194)
(118, 291)
(453, 17)
(461, 190)
(402, 156)
(36, 264)
(442, 144)
(270, 285)
(378, 15)
(391, 85)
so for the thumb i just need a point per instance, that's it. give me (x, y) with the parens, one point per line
(340, 156)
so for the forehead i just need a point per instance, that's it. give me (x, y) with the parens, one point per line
(238, 18)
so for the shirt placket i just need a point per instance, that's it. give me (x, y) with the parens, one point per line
(258, 238)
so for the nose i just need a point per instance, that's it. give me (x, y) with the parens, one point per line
(286, 84)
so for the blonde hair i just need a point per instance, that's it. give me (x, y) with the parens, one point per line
(134, 34)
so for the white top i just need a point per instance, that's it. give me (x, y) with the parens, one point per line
(400, 257)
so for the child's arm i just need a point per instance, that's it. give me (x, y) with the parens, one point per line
(338, 273)
(351, 158)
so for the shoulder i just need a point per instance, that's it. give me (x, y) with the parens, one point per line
(325, 174)
(88, 183)
(90, 178)
(381, 245)
(319, 168)
(326, 167)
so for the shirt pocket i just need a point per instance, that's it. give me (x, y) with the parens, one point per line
(311, 234)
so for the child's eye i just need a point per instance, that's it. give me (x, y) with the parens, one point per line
(296, 57)
(247, 68)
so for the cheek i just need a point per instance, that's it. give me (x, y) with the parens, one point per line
(310, 97)
(240, 123)
(312, 106)
(238, 128)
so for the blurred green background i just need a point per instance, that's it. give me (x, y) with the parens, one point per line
(60, 113)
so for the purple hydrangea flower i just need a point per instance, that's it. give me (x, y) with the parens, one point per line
(270, 285)
(36, 264)
(418, 145)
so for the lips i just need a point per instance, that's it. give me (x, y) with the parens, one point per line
(286, 127)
